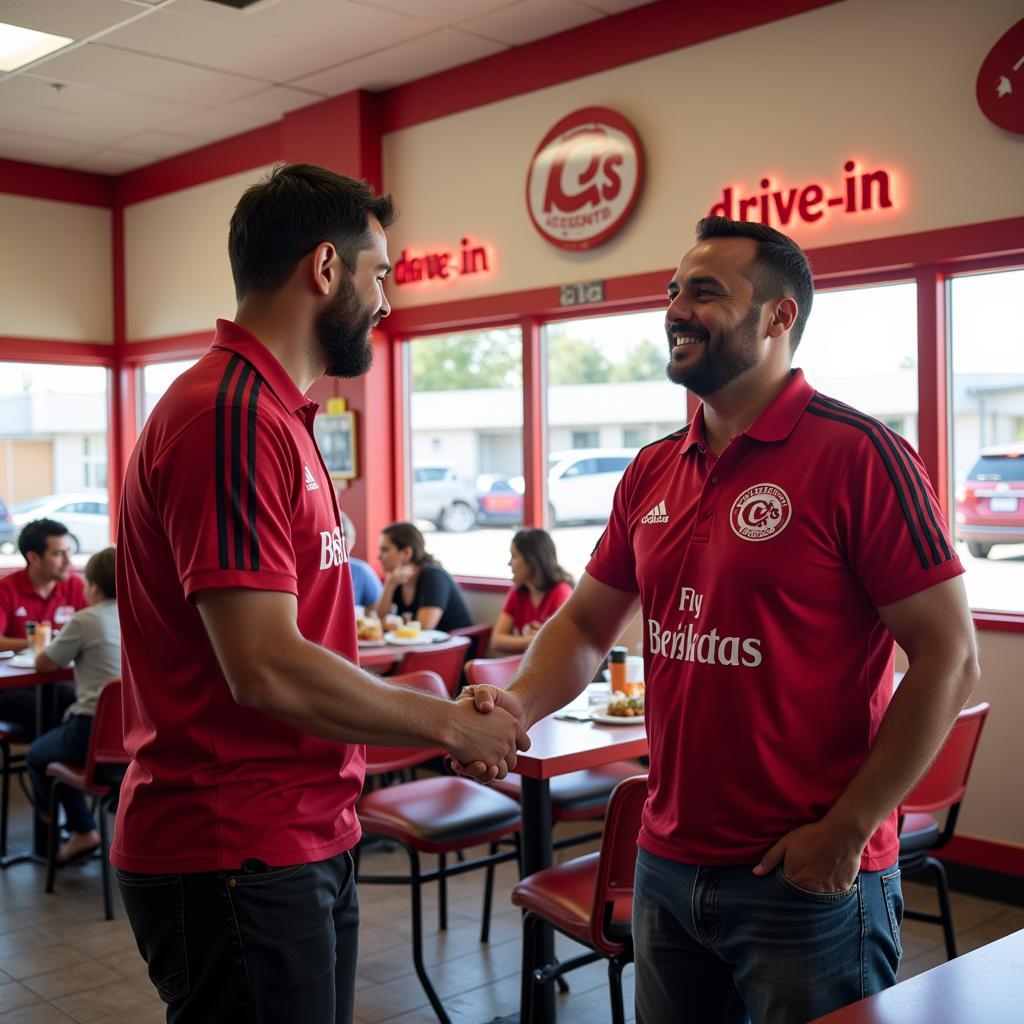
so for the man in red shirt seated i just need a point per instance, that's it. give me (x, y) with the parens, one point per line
(777, 546)
(245, 710)
(46, 590)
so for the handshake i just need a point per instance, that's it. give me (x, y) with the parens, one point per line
(487, 729)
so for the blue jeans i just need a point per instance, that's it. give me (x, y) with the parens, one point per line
(259, 945)
(69, 743)
(719, 945)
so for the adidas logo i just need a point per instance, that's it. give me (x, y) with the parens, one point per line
(311, 484)
(21, 610)
(658, 514)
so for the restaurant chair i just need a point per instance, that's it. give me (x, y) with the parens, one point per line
(445, 658)
(942, 788)
(12, 765)
(436, 815)
(576, 796)
(479, 639)
(589, 899)
(100, 777)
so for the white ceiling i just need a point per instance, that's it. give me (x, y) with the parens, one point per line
(146, 79)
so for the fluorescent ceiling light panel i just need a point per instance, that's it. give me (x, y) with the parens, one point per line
(20, 46)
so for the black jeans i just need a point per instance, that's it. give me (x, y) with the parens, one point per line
(257, 946)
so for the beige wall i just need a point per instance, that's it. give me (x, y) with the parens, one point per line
(177, 277)
(55, 271)
(888, 84)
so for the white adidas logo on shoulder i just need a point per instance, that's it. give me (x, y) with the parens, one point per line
(311, 484)
(658, 514)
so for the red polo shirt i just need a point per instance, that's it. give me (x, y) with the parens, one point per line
(226, 488)
(19, 603)
(760, 575)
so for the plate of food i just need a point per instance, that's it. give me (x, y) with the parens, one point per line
(6, 654)
(627, 711)
(404, 638)
(379, 642)
(369, 632)
(24, 659)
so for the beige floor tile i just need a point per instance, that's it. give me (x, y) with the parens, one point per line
(106, 1001)
(14, 995)
(40, 961)
(68, 980)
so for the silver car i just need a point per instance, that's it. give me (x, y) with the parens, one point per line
(439, 495)
(84, 513)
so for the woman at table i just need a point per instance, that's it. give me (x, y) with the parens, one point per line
(540, 587)
(92, 640)
(416, 584)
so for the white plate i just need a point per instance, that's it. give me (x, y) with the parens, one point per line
(24, 660)
(6, 654)
(426, 636)
(370, 643)
(599, 715)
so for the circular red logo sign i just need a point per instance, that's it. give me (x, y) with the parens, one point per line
(760, 512)
(1000, 88)
(585, 178)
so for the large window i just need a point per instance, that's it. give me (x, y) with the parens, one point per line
(466, 442)
(53, 453)
(987, 410)
(607, 396)
(860, 347)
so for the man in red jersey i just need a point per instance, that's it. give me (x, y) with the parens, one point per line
(245, 710)
(776, 548)
(46, 590)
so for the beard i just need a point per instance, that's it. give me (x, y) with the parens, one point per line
(735, 352)
(343, 330)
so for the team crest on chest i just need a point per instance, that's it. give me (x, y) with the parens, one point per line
(760, 512)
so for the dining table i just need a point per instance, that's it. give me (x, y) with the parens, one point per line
(46, 718)
(559, 745)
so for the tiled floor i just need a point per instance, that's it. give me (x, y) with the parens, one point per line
(61, 962)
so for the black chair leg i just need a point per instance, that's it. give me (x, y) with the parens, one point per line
(108, 896)
(485, 923)
(615, 991)
(528, 983)
(5, 794)
(52, 837)
(442, 892)
(417, 936)
(563, 985)
(942, 887)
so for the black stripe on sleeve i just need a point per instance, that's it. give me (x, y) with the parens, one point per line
(896, 465)
(237, 517)
(220, 462)
(250, 448)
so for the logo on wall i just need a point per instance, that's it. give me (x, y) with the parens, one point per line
(585, 178)
(1000, 88)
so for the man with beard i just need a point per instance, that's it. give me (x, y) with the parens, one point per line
(237, 816)
(776, 547)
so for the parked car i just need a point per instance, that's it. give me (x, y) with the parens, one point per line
(990, 502)
(8, 532)
(84, 513)
(581, 483)
(500, 499)
(440, 495)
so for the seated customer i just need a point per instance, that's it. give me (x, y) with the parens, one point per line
(416, 584)
(541, 587)
(92, 639)
(44, 591)
(366, 585)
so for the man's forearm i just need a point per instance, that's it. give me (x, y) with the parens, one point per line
(912, 731)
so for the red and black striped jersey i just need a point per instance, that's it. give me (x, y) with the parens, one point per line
(226, 488)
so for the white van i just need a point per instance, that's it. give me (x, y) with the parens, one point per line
(581, 482)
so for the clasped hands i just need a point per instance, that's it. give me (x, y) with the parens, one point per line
(492, 724)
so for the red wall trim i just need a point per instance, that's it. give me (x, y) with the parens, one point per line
(932, 385)
(178, 346)
(998, 622)
(534, 418)
(633, 35)
(985, 853)
(37, 181)
(45, 350)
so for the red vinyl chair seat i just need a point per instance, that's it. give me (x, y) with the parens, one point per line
(564, 896)
(920, 832)
(439, 814)
(11, 732)
(578, 795)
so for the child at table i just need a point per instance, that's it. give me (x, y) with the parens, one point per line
(92, 640)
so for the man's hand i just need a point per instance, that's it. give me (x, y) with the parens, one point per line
(820, 857)
(486, 699)
(487, 743)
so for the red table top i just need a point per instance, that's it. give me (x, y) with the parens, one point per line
(986, 984)
(560, 746)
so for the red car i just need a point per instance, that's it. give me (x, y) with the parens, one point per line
(990, 503)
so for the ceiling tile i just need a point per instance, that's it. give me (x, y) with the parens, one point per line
(532, 19)
(440, 12)
(211, 125)
(111, 161)
(436, 51)
(615, 6)
(141, 75)
(157, 144)
(270, 104)
(40, 149)
(67, 17)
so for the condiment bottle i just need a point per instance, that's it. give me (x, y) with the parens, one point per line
(617, 669)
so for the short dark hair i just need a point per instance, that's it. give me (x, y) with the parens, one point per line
(100, 570)
(781, 267)
(406, 535)
(289, 213)
(34, 535)
(538, 551)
